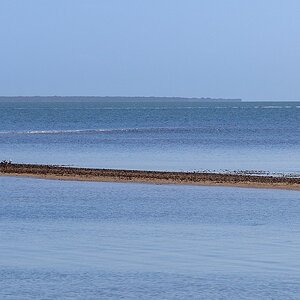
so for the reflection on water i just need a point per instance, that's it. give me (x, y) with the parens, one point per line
(110, 240)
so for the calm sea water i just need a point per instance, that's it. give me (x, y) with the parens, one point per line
(158, 136)
(80, 240)
(85, 240)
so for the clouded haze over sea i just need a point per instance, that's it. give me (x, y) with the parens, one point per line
(215, 48)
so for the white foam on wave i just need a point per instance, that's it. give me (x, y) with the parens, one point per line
(58, 131)
(75, 131)
(277, 106)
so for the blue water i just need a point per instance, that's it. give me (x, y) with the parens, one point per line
(83, 240)
(159, 136)
(89, 240)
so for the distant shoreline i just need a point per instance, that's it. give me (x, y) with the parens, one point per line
(111, 99)
(150, 177)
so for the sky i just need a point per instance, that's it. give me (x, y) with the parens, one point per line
(246, 49)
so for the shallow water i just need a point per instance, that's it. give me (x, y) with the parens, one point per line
(85, 240)
(157, 136)
(82, 240)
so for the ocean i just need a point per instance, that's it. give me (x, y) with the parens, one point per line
(254, 136)
(97, 240)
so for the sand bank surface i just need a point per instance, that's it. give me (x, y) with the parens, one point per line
(154, 177)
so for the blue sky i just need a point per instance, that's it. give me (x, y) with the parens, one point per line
(193, 48)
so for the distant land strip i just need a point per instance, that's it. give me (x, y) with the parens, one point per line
(111, 99)
(151, 177)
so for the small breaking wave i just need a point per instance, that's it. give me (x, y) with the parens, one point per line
(33, 132)
(276, 106)
(145, 130)
(87, 131)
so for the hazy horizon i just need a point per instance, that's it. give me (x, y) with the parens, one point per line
(216, 49)
(145, 98)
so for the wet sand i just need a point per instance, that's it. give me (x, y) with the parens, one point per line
(154, 177)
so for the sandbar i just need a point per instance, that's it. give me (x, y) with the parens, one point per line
(152, 177)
